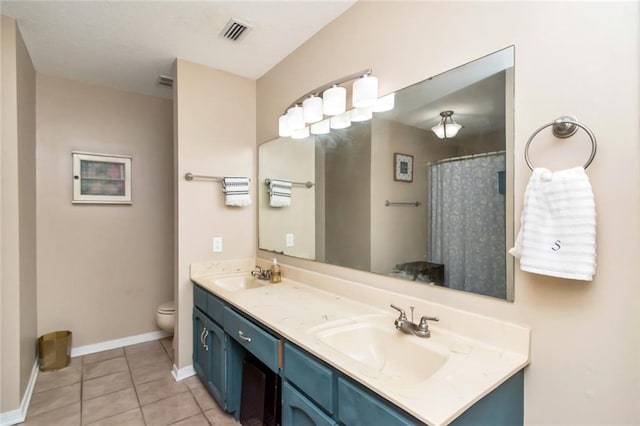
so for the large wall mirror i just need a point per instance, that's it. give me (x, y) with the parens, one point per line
(391, 196)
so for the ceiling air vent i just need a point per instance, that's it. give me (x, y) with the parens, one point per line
(165, 81)
(235, 30)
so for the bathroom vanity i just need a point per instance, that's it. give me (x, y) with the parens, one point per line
(341, 361)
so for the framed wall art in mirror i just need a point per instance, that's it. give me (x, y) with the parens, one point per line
(451, 140)
(403, 167)
(101, 178)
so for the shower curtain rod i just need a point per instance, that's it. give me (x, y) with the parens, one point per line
(466, 157)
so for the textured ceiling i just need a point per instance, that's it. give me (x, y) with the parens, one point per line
(126, 44)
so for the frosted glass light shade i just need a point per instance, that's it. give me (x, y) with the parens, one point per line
(341, 121)
(451, 131)
(295, 115)
(312, 109)
(334, 100)
(300, 133)
(321, 127)
(284, 130)
(365, 92)
(361, 114)
(385, 103)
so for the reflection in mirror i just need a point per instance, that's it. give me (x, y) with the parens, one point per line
(436, 214)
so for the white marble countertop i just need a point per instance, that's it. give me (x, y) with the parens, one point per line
(474, 365)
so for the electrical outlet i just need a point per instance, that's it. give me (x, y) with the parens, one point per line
(217, 244)
(289, 240)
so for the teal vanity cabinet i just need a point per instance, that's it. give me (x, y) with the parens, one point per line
(209, 360)
(222, 339)
(308, 396)
(216, 360)
(316, 394)
(313, 392)
(297, 410)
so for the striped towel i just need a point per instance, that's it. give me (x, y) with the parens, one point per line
(558, 225)
(236, 191)
(279, 193)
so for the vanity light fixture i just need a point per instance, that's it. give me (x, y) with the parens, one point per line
(284, 130)
(321, 127)
(341, 121)
(312, 109)
(447, 128)
(365, 92)
(385, 103)
(295, 117)
(334, 100)
(300, 133)
(361, 114)
(330, 100)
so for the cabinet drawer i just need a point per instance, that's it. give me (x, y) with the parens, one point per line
(310, 376)
(357, 406)
(298, 410)
(253, 338)
(200, 298)
(215, 309)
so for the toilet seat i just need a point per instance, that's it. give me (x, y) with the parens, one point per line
(168, 308)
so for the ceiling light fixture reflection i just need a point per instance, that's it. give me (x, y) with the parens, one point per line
(447, 128)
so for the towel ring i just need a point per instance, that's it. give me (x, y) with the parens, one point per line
(564, 127)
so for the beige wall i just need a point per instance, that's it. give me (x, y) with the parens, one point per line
(214, 135)
(399, 231)
(347, 158)
(571, 58)
(18, 213)
(103, 269)
(292, 160)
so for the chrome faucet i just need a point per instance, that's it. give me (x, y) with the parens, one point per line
(410, 327)
(261, 274)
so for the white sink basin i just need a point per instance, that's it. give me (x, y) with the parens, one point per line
(386, 350)
(238, 282)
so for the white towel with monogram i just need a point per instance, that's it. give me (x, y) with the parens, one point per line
(558, 225)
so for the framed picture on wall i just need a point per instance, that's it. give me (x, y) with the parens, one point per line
(101, 178)
(403, 167)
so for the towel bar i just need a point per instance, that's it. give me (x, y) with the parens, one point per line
(564, 127)
(388, 203)
(305, 184)
(190, 176)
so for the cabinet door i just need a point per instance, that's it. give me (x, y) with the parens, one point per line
(360, 407)
(216, 382)
(209, 356)
(201, 360)
(297, 410)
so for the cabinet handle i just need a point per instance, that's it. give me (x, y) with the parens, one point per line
(202, 336)
(243, 337)
(206, 334)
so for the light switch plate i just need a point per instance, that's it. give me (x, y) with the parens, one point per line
(217, 244)
(289, 240)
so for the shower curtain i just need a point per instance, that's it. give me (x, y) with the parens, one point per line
(467, 222)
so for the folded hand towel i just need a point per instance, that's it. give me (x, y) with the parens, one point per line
(236, 191)
(279, 193)
(558, 225)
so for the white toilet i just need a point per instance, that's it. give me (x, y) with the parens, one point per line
(165, 316)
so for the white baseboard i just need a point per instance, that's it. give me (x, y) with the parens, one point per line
(118, 343)
(183, 373)
(19, 415)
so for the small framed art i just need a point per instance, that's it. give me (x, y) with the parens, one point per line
(403, 167)
(101, 178)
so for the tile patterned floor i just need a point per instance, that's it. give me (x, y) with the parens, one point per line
(126, 386)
